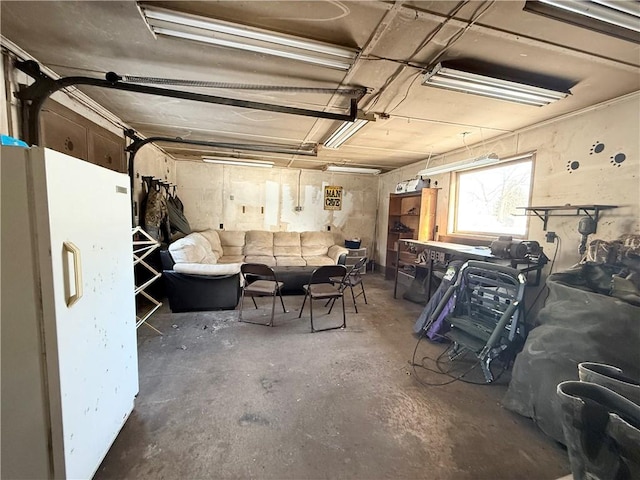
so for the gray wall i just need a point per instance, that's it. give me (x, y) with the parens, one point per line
(246, 198)
(598, 179)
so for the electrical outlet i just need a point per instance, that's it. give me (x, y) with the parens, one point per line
(221, 226)
(298, 208)
(551, 237)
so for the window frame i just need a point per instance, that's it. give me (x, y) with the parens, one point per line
(454, 192)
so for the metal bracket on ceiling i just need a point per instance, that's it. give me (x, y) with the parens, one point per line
(137, 143)
(35, 95)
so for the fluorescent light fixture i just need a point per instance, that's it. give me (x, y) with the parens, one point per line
(444, 77)
(344, 132)
(344, 169)
(615, 18)
(483, 161)
(162, 21)
(237, 163)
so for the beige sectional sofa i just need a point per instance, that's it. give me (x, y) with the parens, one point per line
(276, 249)
(202, 270)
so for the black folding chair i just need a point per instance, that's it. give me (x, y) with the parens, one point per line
(260, 281)
(322, 287)
(352, 279)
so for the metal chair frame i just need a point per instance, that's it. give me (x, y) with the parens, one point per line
(352, 279)
(266, 284)
(321, 287)
(488, 317)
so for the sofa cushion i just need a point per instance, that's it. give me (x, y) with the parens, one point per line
(286, 244)
(200, 269)
(232, 242)
(319, 260)
(314, 244)
(194, 248)
(214, 240)
(266, 259)
(258, 243)
(290, 262)
(231, 259)
(335, 251)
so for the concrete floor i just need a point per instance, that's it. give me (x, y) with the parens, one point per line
(222, 399)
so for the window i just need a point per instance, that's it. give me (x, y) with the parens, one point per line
(486, 199)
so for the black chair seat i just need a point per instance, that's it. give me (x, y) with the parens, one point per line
(470, 341)
(476, 328)
(264, 287)
(322, 291)
(349, 281)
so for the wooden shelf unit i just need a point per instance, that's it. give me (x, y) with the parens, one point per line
(417, 212)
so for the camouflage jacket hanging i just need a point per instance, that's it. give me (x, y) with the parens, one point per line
(156, 214)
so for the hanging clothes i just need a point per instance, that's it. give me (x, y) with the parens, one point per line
(156, 213)
(177, 220)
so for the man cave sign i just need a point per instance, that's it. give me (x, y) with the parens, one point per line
(332, 198)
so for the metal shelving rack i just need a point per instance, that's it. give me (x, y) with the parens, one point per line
(143, 245)
(543, 213)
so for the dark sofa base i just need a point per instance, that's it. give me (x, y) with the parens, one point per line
(194, 293)
(293, 278)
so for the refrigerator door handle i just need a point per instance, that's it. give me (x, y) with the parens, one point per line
(69, 247)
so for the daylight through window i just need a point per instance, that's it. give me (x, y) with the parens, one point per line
(486, 199)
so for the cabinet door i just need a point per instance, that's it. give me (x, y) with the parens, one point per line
(63, 135)
(107, 152)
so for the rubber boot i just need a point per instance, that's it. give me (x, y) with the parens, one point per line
(612, 378)
(602, 432)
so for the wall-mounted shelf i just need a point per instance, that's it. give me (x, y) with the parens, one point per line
(543, 213)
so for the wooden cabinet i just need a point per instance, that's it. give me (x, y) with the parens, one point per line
(68, 132)
(411, 215)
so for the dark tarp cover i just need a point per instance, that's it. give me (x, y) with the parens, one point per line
(576, 325)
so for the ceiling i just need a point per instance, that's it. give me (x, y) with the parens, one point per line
(398, 41)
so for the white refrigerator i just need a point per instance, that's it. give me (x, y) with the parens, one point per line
(68, 335)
